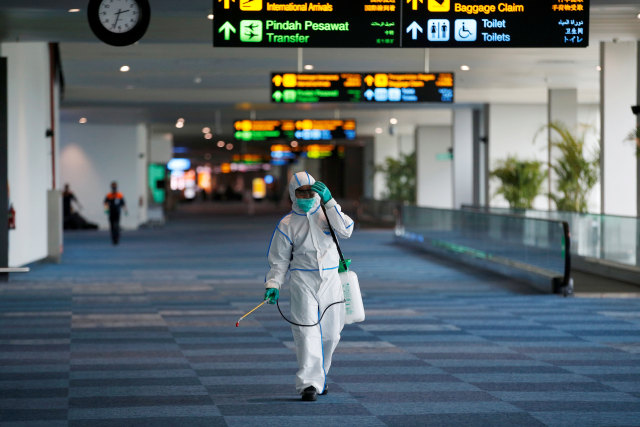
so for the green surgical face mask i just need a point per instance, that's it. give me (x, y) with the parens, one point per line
(305, 204)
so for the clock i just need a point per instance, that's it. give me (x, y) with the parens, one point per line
(119, 22)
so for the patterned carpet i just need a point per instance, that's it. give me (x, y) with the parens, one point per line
(143, 334)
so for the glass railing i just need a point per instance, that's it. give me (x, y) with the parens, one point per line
(605, 237)
(535, 249)
(378, 212)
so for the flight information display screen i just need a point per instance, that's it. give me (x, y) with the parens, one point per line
(401, 23)
(305, 130)
(361, 87)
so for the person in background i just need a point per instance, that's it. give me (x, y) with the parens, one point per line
(67, 198)
(67, 207)
(113, 204)
(71, 219)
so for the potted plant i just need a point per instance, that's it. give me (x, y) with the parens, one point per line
(520, 181)
(400, 175)
(576, 173)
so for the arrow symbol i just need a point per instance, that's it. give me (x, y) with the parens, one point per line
(369, 80)
(277, 96)
(368, 94)
(414, 4)
(413, 29)
(227, 3)
(228, 29)
(277, 80)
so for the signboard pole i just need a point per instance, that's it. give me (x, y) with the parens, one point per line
(4, 145)
(426, 59)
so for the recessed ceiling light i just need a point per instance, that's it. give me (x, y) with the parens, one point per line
(229, 146)
(74, 10)
(206, 130)
(125, 68)
(210, 17)
(393, 121)
(308, 67)
(208, 136)
(294, 144)
(378, 131)
(599, 68)
(179, 125)
(181, 120)
(82, 120)
(220, 144)
(638, 16)
(465, 67)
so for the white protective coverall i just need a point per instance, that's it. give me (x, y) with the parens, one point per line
(302, 244)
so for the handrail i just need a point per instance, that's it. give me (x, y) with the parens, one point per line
(515, 210)
(454, 230)
(566, 279)
(14, 269)
(611, 238)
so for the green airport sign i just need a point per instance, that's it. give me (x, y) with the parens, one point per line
(288, 88)
(401, 23)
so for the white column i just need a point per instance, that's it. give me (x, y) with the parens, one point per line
(29, 150)
(142, 201)
(563, 107)
(434, 181)
(160, 147)
(406, 144)
(618, 85)
(463, 170)
(385, 145)
(514, 130)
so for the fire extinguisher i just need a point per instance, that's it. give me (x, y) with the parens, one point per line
(12, 217)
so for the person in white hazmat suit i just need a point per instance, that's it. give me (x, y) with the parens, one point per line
(302, 245)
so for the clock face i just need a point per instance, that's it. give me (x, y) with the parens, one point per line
(119, 22)
(119, 16)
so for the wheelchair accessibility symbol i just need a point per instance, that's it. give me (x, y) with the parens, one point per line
(466, 30)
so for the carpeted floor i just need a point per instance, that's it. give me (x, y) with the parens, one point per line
(143, 334)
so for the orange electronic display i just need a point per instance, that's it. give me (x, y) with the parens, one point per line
(305, 130)
(361, 87)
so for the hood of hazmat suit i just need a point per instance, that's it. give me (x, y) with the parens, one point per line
(302, 246)
(298, 180)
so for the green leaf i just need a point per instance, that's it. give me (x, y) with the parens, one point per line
(576, 173)
(400, 176)
(520, 181)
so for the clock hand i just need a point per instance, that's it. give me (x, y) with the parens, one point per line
(117, 17)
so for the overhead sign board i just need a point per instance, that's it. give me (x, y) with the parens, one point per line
(401, 23)
(287, 23)
(361, 87)
(305, 130)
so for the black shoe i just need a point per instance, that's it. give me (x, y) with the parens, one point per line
(309, 394)
(325, 391)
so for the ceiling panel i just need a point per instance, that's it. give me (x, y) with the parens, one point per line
(175, 70)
